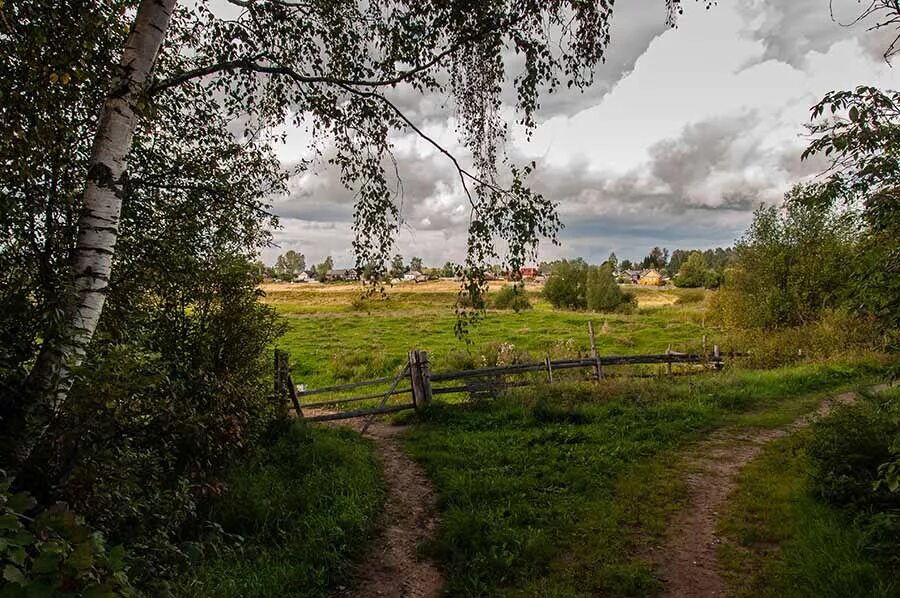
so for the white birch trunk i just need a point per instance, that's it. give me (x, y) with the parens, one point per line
(98, 223)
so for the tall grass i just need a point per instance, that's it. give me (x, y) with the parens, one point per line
(294, 517)
(786, 543)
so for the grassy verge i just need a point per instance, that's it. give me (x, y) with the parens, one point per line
(552, 492)
(295, 517)
(788, 540)
(787, 543)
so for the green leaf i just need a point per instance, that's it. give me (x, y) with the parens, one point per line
(9, 522)
(100, 591)
(116, 558)
(12, 574)
(82, 557)
(21, 502)
(854, 114)
(46, 562)
(17, 556)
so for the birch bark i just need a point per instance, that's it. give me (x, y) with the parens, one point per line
(98, 224)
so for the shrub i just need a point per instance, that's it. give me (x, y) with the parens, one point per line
(511, 297)
(156, 415)
(602, 293)
(565, 287)
(689, 296)
(837, 334)
(848, 450)
(53, 553)
(792, 263)
(694, 272)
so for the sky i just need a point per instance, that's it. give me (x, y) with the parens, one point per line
(684, 133)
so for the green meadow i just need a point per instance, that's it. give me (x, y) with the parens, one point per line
(335, 336)
(552, 490)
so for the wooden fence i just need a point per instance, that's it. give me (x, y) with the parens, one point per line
(423, 385)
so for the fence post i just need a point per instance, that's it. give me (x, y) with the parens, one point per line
(420, 379)
(424, 381)
(549, 369)
(414, 376)
(717, 357)
(669, 360)
(598, 368)
(284, 385)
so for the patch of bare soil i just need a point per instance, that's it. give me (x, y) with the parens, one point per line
(688, 562)
(392, 566)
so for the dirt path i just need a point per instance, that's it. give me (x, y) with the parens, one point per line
(687, 563)
(392, 566)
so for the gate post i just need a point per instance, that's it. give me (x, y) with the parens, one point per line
(420, 379)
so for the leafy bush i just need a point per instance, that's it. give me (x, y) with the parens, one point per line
(565, 287)
(511, 297)
(155, 415)
(602, 293)
(836, 334)
(575, 285)
(53, 553)
(689, 296)
(694, 273)
(848, 449)
(793, 263)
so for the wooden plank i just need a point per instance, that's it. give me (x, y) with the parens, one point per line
(349, 386)
(360, 413)
(425, 377)
(293, 392)
(384, 399)
(374, 395)
(415, 377)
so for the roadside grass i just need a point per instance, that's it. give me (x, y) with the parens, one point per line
(294, 517)
(786, 543)
(554, 491)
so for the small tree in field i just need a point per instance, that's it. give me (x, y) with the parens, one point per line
(602, 293)
(324, 268)
(565, 287)
(693, 273)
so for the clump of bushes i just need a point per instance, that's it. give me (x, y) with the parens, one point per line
(511, 297)
(837, 334)
(849, 451)
(695, 273)
(687, 296)
(575, 285)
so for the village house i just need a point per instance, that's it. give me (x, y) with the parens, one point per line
(525, 273)
(342, 274)
(651, 278)
(414, 276)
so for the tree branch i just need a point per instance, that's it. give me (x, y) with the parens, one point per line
(251, 63)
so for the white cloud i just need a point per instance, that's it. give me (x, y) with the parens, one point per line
(688, 129)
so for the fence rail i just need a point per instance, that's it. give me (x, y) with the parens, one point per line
(476, 382)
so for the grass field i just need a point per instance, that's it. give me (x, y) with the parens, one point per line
(333, 337)
(546, 491)
(554, 491)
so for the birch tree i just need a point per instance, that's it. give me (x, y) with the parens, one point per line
(339, 68)
(98, 224)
